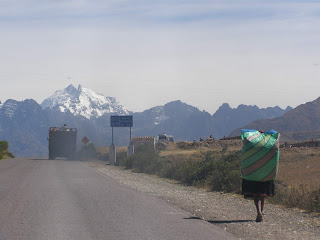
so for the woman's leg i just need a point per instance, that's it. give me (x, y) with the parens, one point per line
(256, 199)
(262, 203)
(258, 207)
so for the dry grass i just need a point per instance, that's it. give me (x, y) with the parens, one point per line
(178, 152)
(196, 151)
(105, 150)
(300, 166)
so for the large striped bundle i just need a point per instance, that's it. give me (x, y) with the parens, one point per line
(260, 155)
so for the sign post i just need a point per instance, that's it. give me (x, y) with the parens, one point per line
(112, 135)
(120, 121)
(130, 136)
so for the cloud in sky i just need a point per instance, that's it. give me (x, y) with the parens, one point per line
(147, 53)
(181, 11)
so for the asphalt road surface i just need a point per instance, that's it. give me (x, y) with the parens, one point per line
(60, 199)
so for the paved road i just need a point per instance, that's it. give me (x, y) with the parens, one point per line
(61, 199)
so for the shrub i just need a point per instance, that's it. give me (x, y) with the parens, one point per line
(145, 159)
(217, 171)
(168, 170)
(3, 146)
(4, 153)
(87, 151)
(10, 155)
(161, 146)
(302, 197)
(187, 172)
(122, 160)
(223, 172)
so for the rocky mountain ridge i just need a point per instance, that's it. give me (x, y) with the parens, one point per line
(186, 122)
(302, 122)
(226, 119)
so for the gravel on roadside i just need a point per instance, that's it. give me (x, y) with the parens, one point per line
(229, 211)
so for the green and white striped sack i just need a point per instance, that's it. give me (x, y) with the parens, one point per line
(260, 155)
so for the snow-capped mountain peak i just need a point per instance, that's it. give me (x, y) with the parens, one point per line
(83, 101)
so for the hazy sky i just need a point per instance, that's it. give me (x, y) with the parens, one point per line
(147, 53)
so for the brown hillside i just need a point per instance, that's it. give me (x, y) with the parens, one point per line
(304, 118)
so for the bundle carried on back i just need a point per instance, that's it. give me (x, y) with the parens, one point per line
(260, 155)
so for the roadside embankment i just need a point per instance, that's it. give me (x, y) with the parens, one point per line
(229, 211)
(215, 166)
(218, 169)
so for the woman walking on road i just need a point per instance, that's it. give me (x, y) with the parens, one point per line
(259, 166)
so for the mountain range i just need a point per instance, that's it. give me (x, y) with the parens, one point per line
(25, 124)
(301, 123)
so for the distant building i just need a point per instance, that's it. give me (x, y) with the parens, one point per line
(144, 141)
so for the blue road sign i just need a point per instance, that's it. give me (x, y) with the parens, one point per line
(121, 121)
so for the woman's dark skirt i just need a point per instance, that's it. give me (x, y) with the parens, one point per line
(250, 188)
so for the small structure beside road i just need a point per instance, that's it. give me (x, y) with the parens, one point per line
(144, 141)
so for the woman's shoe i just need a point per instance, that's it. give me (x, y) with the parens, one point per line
(259, 218)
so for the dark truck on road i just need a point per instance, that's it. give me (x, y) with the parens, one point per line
(62, 142)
